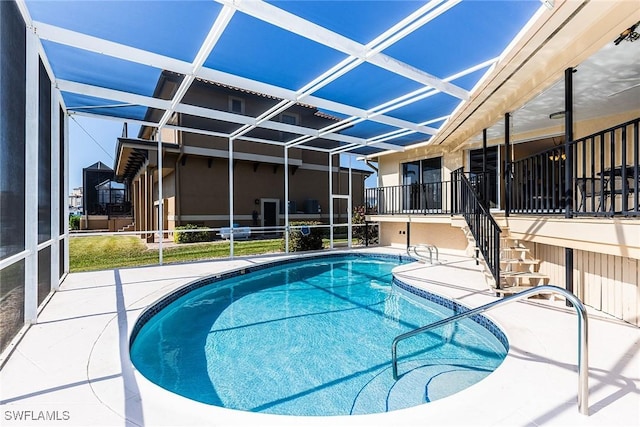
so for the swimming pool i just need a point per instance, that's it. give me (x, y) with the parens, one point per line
(309, 337)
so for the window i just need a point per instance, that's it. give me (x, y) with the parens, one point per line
(422, 181)
(290, 119)
(236, 105)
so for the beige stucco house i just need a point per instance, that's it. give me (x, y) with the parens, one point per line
(549, 146)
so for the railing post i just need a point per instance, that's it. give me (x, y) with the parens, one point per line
(507, 168)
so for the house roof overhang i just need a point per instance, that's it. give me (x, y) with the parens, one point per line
(133, 154)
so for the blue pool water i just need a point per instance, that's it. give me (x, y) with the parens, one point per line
(311, 337)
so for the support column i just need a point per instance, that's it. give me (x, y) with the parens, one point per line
(137, 212)
(350, 208)
(568, 138)
(231, 197)
(31, 179)
(330, 201)
(55, 189)
(507, 168)
(286, 199)
(568, 170)
(148, 204)
(66, 191)
(485, 176)
(160, 207)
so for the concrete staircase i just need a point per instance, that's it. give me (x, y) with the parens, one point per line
(130, 227)
(518, 269)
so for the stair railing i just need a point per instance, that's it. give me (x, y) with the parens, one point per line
(482, 225)
(583, 335)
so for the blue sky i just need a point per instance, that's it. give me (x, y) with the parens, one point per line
(94, 140)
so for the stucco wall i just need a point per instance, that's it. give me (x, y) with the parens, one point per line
(442, 235)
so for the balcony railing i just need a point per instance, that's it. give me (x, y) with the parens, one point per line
(606, 181)
(605, 176)
(420, 199)
(606, 172)
(539, 182)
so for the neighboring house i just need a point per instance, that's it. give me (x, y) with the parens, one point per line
(568, 213)
(75, 200)
(105, 203)
(196, 167)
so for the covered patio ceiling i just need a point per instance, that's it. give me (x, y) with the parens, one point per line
(392, 71)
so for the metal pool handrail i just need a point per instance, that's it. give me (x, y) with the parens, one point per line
(583, 351)
(429, 247)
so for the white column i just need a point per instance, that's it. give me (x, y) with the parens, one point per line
(330, 202)
(31, 180)
(350, 207)
(160, 207)
(65, 226)
(231, 197)
(55, 189)
(286, 199)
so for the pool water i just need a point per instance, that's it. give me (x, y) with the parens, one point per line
(310, 338)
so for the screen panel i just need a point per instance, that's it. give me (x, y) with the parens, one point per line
(12, 129)
(44, 156)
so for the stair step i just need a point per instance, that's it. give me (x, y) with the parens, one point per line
(523, 274)
(513, 289)
(520, 261)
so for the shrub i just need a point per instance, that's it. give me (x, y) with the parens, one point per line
(190, 236)
(360, 233)
(299, 242)
(74, 222)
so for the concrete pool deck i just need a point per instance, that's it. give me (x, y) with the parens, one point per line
(73, 367)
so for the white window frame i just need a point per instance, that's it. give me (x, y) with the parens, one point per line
(295, 116)
(235, 98)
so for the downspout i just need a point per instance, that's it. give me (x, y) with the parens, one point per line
(368, 163)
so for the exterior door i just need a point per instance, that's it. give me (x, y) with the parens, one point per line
(486, 183)
(270, 212)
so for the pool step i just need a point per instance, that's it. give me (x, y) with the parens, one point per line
(420, 381)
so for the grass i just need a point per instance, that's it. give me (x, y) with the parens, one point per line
(105, 252)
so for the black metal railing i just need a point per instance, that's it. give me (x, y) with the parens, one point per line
(422, 199)
(605, 176)
(538, 184)
(482, 225)
(606, 169)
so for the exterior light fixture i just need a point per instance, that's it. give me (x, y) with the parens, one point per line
(557, 115)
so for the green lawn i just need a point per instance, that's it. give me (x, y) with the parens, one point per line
(105, 252)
